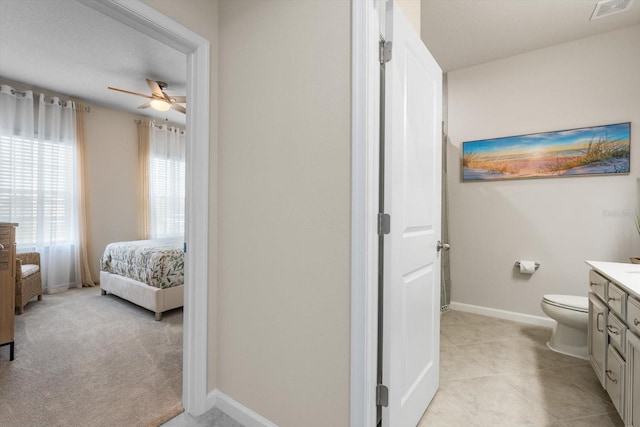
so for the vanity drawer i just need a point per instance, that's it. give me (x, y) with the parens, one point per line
(633, 315)
(597, 284)
(614, 379)
(617, 333)
(617, 300)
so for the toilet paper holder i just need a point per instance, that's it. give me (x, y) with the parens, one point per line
(537, 264)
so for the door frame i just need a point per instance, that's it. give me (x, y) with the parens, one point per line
(368, 19)
(145, 19)
(366, 29)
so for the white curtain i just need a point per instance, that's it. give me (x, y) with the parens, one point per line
(57, 237)
(166, 181)
(39, 182)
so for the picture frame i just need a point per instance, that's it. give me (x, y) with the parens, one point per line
(588, 151)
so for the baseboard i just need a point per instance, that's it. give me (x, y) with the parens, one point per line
(237, 411)
(503, 314)
(248, 418)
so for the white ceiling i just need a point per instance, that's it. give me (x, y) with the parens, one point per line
(463, 33)
(67, 47)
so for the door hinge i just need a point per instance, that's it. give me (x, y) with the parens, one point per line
(385, 52)
(384, 223)
(382, 395)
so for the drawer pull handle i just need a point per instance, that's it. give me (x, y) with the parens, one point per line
(595, 284)
(612, 299)
(613, 380)
(636, 322)
(598, 322)
(613, 330)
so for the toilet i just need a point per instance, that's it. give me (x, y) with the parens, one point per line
(571, 314)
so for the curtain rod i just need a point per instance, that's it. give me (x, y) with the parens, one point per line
(64, 103)
(86, 109)
(153, 123)
(21, 93)
(14, 91)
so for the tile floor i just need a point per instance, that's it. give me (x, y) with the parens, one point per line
(496, 373)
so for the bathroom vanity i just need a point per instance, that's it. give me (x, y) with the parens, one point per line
(614, 334)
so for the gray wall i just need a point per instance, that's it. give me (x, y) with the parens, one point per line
(557, 222)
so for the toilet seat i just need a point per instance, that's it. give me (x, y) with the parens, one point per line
(568, 302)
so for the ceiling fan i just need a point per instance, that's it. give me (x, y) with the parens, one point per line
(158, 100)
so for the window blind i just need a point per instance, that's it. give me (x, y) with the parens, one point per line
(36, 182)
(166, 181)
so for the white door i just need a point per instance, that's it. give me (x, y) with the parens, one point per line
(411, 313)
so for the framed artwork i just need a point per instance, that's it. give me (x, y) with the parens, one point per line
(598, 150)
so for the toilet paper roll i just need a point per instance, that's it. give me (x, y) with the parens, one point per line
(527, 267)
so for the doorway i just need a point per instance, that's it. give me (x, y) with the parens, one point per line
(147, 20)
(412, 283)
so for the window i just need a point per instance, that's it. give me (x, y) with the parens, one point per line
(37, 188)
(166, 181)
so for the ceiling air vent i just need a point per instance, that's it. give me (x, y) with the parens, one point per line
(610, 7)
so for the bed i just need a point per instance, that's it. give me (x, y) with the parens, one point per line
(149, 273)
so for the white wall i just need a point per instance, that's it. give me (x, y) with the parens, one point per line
(284, 211)
(558, 222)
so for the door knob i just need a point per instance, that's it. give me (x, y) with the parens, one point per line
(442, 246)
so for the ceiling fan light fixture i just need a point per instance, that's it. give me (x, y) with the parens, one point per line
(158, 100)
(160, 105)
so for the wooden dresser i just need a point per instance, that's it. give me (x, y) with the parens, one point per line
(614, 334)
(7, 284)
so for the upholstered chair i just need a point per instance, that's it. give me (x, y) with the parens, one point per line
(28, 279)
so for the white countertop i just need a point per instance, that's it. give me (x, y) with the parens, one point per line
(627, 276)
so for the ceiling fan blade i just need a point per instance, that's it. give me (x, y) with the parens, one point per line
(156, 90)
(178, 99)
(179, 108)
(145, 105)
(129, 92)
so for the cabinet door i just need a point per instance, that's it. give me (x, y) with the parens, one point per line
(615, 380)
(633, 380)
(597, 338)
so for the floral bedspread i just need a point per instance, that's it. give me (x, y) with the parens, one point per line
(158, 263)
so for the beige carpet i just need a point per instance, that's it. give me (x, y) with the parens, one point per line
(87, 360)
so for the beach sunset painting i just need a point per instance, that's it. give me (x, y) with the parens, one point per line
(594, 150)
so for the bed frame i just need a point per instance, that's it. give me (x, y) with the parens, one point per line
(155, 299)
